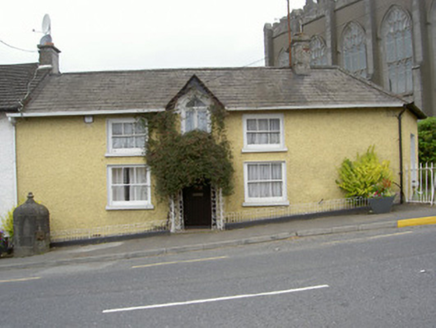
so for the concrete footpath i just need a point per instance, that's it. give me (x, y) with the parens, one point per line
(193, 240)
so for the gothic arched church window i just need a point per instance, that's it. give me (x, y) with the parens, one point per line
(318, 51)
(354, 50)
(398, 51)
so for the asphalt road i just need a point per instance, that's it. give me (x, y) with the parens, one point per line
(384, 278)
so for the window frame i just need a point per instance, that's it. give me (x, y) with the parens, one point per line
(400, 68)
(114, 152)
(182, 108)
(196, 110)
(266, 201)
(354, 56)
(318, 51)
(128, 205)
(279, 147)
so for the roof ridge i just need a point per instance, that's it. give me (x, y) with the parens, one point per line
(188, 69)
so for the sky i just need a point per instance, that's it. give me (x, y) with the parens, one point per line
(101, 35)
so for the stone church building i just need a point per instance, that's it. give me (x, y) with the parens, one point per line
(389, 42)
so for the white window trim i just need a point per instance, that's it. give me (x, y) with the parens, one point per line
(196, 109)
(132, 205)
(271, 201)
(181, 108)
(280, 147)
(110, 152)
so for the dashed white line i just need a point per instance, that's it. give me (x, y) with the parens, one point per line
(177, 262)
(219, 299)
(18, 280)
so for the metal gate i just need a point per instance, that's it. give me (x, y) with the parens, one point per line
(421, 183)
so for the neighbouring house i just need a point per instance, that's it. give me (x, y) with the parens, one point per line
(389, 42)
(80, 146)
(16, 83)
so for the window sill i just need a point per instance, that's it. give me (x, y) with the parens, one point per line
(124, 154)
(127, 208)
(264, 150)
(253, 204)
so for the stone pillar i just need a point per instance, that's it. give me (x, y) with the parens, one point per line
(330, 32)
(421, 76)
(268, 45)
(31, 228)
(371, 39)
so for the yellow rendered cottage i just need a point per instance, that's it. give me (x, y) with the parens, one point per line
(80, 142)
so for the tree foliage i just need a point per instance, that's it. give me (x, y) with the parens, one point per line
(361, 177)
(180, 160)
(427, 140)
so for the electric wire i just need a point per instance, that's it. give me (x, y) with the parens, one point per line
(16, 48)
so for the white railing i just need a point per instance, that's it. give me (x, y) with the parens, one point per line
(324, 206)
(420, 183)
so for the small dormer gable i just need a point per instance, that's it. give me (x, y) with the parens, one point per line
(194, 103)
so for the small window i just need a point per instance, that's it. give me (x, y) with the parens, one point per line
(126, 137)
(263, 133)
(195, 116)
(265, 183)
(129, 187)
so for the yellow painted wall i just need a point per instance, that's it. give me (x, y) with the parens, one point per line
(62, 161)
(317, 142)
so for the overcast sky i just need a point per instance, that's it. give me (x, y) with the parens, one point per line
(95, 35)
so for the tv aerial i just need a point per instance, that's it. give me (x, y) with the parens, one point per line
(46, 29)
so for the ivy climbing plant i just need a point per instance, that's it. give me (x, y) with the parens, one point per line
(180, 160)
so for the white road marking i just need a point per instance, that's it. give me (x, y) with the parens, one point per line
(219, 299)
(177, 262)
(22, 279)
(363, 239)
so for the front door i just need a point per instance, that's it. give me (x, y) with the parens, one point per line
(197, 206)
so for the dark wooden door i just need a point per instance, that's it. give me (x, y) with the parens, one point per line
(197, 206)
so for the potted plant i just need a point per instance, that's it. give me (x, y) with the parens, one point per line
(381, 197)
(368, 178)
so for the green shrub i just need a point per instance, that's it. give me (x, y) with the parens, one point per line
(361, 178)
(8, 223)
(180, 160)
(427, 140)
(8, 220)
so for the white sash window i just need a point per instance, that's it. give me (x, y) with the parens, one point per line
(265, 183)
(126, 137)
(128, 187)
(263, 133)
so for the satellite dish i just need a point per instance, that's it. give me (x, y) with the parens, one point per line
(46, 24)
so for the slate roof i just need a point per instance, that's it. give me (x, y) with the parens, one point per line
(15, 82)
(254, 88)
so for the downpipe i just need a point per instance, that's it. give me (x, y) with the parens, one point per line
(400, 135)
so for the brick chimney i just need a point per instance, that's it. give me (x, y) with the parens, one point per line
(300, 47)
(49, 54)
